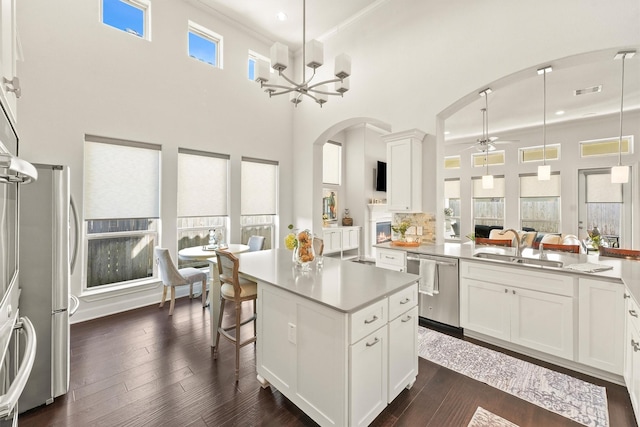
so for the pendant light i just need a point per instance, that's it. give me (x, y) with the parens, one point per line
(620, 174)
(544, 170)
(487, 180)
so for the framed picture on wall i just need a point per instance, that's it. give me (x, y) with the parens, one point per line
(329, 205)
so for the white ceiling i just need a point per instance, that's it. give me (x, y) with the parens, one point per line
(516, 100)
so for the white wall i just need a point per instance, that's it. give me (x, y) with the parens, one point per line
(80, 76)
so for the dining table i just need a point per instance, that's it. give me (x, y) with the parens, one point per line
(203, 253)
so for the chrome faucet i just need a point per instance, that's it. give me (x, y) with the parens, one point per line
(518, 243)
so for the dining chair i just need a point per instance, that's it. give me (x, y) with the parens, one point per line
(172, 277)
(493, 242)
(620, 253)
(256, 243)
(236, 289)
(575, 249)
(318, 246)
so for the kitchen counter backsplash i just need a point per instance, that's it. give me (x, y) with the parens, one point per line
(425, 220)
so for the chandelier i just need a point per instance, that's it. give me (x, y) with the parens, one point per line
(312, 57)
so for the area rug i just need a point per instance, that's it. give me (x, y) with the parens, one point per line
(484, 418)
(580, 401)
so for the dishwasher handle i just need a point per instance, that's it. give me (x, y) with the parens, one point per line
(443, 263)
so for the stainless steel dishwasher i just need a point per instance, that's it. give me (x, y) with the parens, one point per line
(444, 305)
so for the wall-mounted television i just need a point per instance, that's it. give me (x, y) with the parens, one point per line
(381, 176)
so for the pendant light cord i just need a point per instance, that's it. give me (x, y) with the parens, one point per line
(485, 128)
(544, 118)
(621, 109)
(304, 39)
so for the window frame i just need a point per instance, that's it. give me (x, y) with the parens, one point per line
(626, 140)
(255, 57)
(522, 151)
(208, 35)
(254, 220)
(142, 5)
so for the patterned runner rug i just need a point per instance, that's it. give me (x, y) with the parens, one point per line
(570, 397)
(484, 418)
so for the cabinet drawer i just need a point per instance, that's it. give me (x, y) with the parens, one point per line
(633, 312)
(368, 319)
(402, 301)
(391, 257)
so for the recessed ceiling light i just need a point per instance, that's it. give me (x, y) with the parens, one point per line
(559, 112)
(446, 132)
(281, 16)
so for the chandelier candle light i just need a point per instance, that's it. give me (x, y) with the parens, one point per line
(544, 171)
(487, 180)
(620, 174)
(318, 91)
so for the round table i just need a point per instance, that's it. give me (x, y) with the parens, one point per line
(198, 253)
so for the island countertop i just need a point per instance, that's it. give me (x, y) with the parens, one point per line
(625, 271)
(342, 285)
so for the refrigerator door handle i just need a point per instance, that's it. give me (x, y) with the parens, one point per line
(76, 303)
(9, 400)
(75, 235)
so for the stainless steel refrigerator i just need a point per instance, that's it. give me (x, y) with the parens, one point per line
(45, 272)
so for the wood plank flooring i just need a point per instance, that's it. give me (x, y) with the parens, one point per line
(144, 368)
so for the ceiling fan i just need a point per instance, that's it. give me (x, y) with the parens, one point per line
(485, 142)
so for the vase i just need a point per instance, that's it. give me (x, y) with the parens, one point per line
(303, 253)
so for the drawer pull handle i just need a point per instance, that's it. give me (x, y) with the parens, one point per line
(627, 296)
(407, 319)
(389, 257)
(375, 341)
(633, 313)
(506, 291)
(366, 322)
(404, 301)
(635, 345)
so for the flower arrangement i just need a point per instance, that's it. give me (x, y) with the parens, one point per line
(594, 236)
(401, 228)
(448, 211)
(471, 236)
(290, 240)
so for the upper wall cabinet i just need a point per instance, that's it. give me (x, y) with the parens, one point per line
(404, 171)
(8, 56)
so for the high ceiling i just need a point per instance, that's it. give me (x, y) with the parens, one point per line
(516, 100)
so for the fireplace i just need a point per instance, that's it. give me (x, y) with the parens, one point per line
(383, 231)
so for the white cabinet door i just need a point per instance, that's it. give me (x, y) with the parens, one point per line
(632, 354)
(601, 325)
(403, 352)
(485, 308)
(350, 238)
(8, 54)
(404, 175)
(542, 321)
(332, 241)
(368, 377)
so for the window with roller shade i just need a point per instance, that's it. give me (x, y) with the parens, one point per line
(201, 207)
(259, 199)
(121, 210)
(604, 204)
(488, 204)
(540, 203)
(452, 208)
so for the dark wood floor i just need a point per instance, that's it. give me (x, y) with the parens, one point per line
(143, 368)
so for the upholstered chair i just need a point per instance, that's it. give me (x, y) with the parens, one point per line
(172, 277)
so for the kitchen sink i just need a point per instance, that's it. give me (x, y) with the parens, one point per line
(519, 260)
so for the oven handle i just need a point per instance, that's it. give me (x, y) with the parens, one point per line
(9, 400)
(447, 264)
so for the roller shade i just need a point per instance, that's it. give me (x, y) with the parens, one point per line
(331, 162)
(530, 186)
(259, 187)
(121, 179)
(601, 190)
(203, 182)
(452, 189)
(482, 193)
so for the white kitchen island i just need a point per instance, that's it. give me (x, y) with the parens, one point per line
(340, 342)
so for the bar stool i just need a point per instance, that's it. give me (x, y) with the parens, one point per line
(237, 290)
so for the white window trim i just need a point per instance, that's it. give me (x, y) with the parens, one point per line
(492, 153)
(536, 147)
(145, 7)
(611, 139)
(212, 36)
(257, 57)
